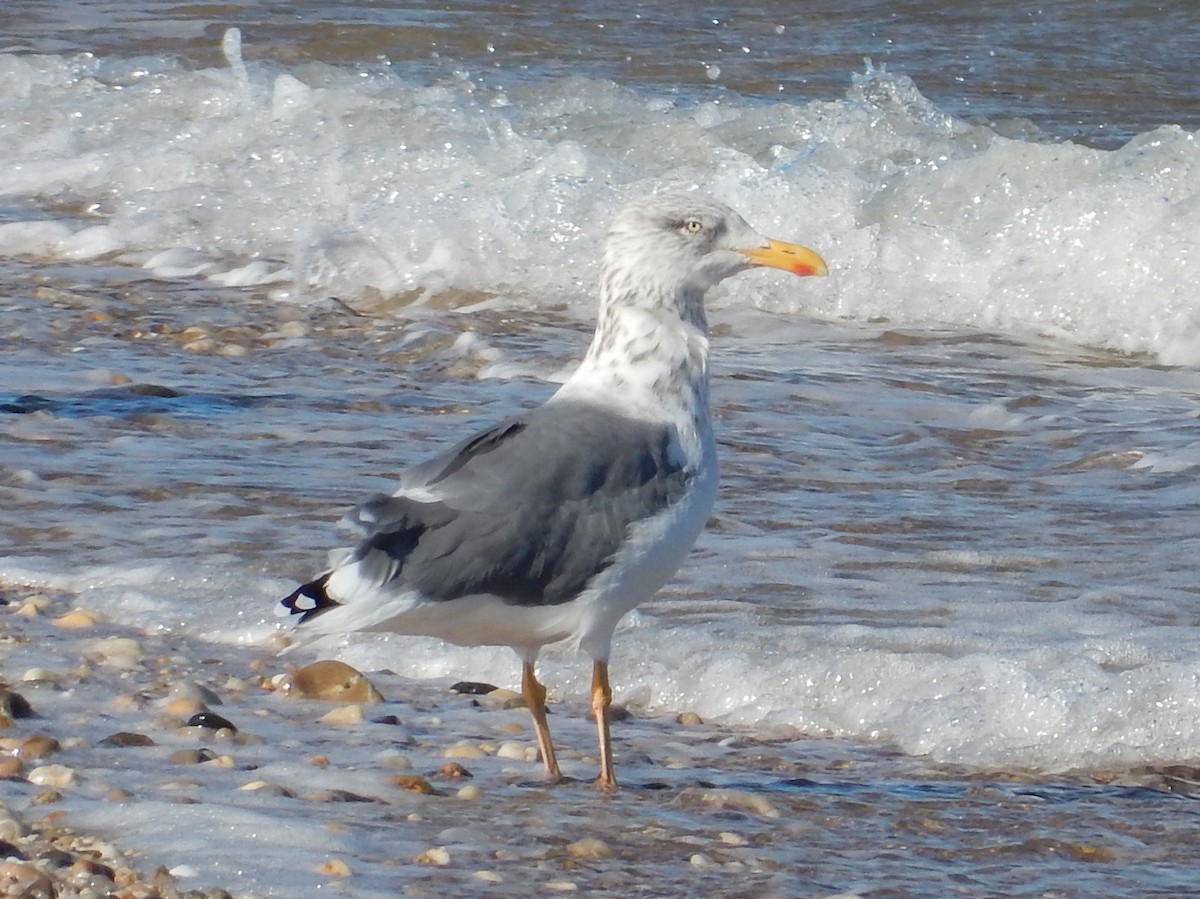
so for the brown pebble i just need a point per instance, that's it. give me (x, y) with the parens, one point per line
(91, 868)
(453, 769)
(10, 767)
(191, 756)
(330, 680)
(124, 738)
(77, 619)
(335, 867)
(46, 797)
(689, 719)
(30, 880)
(183, 707)
(38, 746)
(414, 783)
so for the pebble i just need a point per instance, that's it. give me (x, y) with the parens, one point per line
(464, 751)
(183, 707)
(472, 688)
(414, 783)
(34, 604)
(453, 770)
(469, 792)
(735, 800)
(488, 876)
(562, 886)
(37, 746)
(519, 752)
(330, 680)
(335, 867)
(29, 880)
(13, 705)
(191, 756)
(347, 714)
(397, 761)
(689, 719)
(122, 653)
(438, 855)
(732, 839)
(589, 847)
(10, 767)
(268, 789)
(41, 676)
(77, 619)
(189, 689)
(210, 721)
(52, 776)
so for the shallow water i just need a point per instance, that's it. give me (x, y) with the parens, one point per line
(243, 281)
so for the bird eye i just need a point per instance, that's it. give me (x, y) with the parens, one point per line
(693, 226)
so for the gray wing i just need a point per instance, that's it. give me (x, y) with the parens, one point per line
(529, 510)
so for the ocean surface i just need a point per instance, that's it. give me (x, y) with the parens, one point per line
(256, 258)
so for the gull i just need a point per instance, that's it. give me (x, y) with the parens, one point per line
(555, 523)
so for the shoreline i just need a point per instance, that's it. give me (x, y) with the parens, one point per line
(433, 792)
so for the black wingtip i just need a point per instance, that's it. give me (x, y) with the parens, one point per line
(308, 601)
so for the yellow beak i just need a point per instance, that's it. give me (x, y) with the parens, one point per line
(791, 257)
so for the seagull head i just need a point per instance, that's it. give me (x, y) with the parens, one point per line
(669, 249)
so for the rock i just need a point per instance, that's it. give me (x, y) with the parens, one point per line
(77, 619)
(268, 789)
(347, 714)
(122, 653)
(334, 867)
(338, 796)
(10, 768)
(396, 761)
(41, 676)
(191, 756)
(124, 738)
(472, 688)
(330, 680)
(517, 752)
(189, 689)
(414, 783)
(453, 770)
(19, 878)
(689, 719)
(210, 721)
(438, 855)
(736, 800)
(469, 792)
(52, 776)
(37, 746)
(183, 707)
(13, 705)
(589, 847)
(464, 751)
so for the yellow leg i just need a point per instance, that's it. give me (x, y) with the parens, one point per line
(535, 700)
(601, 700)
